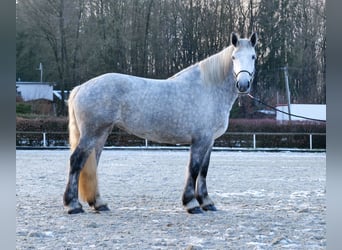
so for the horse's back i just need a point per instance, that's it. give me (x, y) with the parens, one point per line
(96, 101)
(170, 111)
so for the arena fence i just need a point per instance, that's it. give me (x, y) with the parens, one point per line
(228, 141)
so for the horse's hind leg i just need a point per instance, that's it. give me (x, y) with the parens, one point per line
(77, 160)
(88, 181)
(199, 157)
(88, 184)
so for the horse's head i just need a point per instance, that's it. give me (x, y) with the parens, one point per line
(243, 57)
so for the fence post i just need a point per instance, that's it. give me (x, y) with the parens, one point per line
(44, 139)
(254, 141)
(146, 143)
(310, 141)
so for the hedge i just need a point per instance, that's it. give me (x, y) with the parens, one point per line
(273, 126)
(55, 125)
(60, 124)
(46, 124)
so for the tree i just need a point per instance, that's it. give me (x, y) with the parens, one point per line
(78, 40)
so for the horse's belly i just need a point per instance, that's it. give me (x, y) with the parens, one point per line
(160, 134)
(171, 139)
(160, 137)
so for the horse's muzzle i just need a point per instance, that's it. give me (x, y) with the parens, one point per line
(243, 86)
(243, 81)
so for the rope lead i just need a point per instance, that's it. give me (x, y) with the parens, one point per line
(274, 108)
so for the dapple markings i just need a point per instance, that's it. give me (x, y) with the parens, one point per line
(191, 107)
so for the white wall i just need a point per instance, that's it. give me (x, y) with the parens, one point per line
(35, 91)
(315, 111)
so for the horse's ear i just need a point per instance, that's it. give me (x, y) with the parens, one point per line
(234, 39)
(253, 39)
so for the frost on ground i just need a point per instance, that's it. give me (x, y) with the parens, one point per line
(265, 201)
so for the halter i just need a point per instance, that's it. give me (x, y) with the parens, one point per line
(249, 82)
(246, 71)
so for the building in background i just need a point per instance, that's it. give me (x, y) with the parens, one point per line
(313, 111)
(30, 91)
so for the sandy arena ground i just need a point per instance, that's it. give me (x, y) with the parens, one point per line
(265, 201)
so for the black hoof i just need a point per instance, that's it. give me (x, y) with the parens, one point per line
(195, 210)
(75, 210)
(209, 207)
(102, 208)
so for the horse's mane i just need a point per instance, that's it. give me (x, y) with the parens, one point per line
(215, 69)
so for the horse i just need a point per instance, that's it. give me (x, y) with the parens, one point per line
(190, 108)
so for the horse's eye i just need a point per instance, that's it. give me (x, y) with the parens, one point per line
(233, 57)
(253, 57)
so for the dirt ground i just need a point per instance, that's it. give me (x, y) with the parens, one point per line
(265, 201)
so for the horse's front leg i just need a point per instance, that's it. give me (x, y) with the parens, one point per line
(201, 187)
(199, 156)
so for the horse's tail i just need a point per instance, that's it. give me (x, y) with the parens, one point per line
(87, 184)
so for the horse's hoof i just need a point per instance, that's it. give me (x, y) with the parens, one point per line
(195, 210)
(102, 208)
(209, 207)
(75, 210)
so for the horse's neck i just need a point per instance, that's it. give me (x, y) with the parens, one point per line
(216, 74)
(225, 93)
(216, 68)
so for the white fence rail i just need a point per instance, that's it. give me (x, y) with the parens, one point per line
(229, 141)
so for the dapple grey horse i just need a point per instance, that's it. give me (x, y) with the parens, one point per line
(191, 107)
